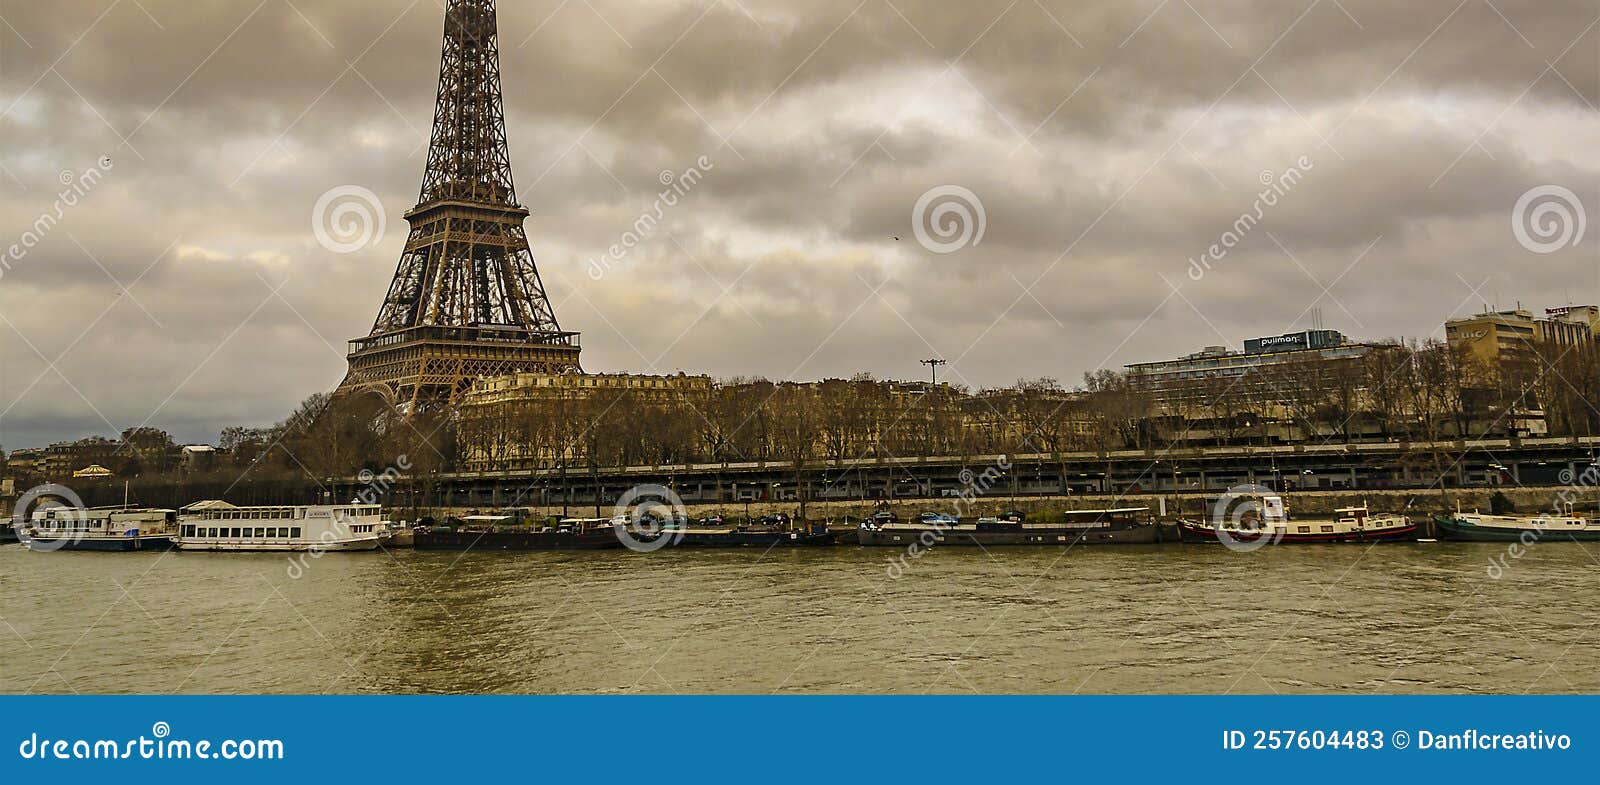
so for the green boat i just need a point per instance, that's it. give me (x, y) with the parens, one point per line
(1473, 527)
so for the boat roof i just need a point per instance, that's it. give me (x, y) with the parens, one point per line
(486, 518)
(1105, 512)
(214, 504)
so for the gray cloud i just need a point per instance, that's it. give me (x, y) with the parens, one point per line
(1108, 141)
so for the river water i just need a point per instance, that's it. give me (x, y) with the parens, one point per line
(1189, 619)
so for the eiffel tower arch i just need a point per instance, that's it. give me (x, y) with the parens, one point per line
(466, 301)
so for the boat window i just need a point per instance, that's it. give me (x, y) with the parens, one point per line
(1305, 529)
(261, 533)
(295, 533)
(1328, 529)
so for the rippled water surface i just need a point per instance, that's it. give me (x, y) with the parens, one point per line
(1395, 618)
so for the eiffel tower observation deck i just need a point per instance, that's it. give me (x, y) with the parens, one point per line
(466, 301)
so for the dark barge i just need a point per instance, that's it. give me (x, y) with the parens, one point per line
(485, 533)
(1126, 526)
(770, 533)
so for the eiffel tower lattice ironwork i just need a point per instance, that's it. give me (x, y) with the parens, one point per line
(466, 301)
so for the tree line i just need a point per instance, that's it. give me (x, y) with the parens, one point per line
(1423, 391)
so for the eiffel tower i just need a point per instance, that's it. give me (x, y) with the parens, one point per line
(466, 301)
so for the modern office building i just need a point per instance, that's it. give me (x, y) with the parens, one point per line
(1498, 339)
(1171, 382)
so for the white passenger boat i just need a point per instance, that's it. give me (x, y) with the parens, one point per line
(219, 526)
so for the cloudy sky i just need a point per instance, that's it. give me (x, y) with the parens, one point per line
(1105, 145)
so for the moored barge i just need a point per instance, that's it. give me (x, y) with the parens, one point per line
(1473, 527)
(1271, 525)
(773, 532)
(1122, 526)
(501, 533)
